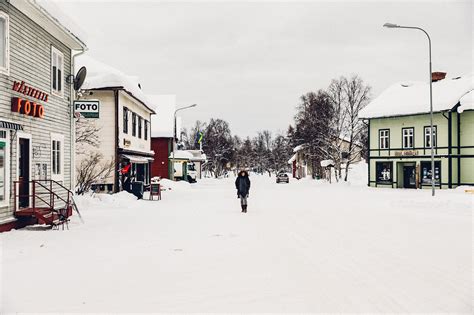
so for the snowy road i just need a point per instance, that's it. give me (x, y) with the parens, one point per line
(303, 247)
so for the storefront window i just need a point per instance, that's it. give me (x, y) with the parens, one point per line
(384, 172)
(3, 170)
(426, 172)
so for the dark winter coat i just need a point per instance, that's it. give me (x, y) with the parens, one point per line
(242, 184)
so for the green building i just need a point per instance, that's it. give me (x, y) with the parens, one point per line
(399, 134)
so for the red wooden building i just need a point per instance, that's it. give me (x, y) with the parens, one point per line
(162, 147)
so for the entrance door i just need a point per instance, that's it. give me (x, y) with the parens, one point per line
(24, 172)
(409, 177)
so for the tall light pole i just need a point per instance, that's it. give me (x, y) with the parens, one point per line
(391, 25)
(174, 131)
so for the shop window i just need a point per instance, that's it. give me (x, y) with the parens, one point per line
(134, 124)
(428, 138)
(57, 66)
(146, 130)
(408, 138)
(384, 172)
(140, 127)
(4, 44)
(4, 175)
(57, 154)
(384, 139)
(125, 120)
(426, 172)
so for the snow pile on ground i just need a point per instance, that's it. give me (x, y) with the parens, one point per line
(306, 246)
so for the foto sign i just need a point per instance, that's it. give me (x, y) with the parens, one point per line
(88, 109)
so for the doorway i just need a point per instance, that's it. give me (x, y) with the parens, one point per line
(409, 176)
(24, 172)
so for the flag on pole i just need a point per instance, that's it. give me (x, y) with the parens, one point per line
(200, 136)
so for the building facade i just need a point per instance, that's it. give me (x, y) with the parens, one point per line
(400, 135)
(161, 166)
(123, 126)
(36, 125)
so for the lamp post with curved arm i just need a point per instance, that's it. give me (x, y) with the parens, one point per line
(391, 25)
(174, 131)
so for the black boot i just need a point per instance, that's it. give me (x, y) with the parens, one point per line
(245, 209)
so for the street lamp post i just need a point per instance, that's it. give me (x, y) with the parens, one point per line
(174, 131)
(391, 25)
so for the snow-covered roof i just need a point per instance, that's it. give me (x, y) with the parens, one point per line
(50, 17)
(181, 155)
(102, 76)
(467, 102)
(293, 158)
(413, 97)
(198, 155)
(299, 147)
(162, 122)
(325, 163)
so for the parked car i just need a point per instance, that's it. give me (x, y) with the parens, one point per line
(282, 178)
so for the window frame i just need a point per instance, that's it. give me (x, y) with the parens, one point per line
(6, 69)
(412, 135)
(435, 138)
(125, 120)
(387, 137)
(145, 130)
(140, 122)
(55, 175)
(57, 92)
(134, 124)
(427, 164)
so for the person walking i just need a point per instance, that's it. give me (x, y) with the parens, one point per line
(242, 184)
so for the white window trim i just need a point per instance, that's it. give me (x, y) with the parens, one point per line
(427, 134)
(384, 135)
(54, 50)
(6, 69)
(60, 138)
(408, 135)
(6, 202)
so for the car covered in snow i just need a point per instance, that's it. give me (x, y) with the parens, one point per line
(282, 177)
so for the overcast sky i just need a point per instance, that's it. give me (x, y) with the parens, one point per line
(248, 62)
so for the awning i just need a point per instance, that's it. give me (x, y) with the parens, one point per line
(10, 125)
(137, 159)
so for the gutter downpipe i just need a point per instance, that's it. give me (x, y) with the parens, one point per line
(72, 180)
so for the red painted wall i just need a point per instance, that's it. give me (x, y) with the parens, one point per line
(161, 146)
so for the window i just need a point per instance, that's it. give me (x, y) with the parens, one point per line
(139, 127)
(408, 141)
(57, 66)
(134, 124)
(427, 137)
(384, 139)
(426, 172)
(57, 162)
(146, 130)
(4, 44)
(4, 175)
(384, 172)
(125, 120)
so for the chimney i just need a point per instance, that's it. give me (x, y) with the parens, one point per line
(437, 76)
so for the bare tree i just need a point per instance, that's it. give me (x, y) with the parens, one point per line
(92, 170)
(87, 133)
(358, 95)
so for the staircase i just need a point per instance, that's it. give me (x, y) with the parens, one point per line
(47, 202)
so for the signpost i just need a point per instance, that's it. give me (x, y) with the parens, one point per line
(88, 109)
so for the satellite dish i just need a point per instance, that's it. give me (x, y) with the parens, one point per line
(80, 77)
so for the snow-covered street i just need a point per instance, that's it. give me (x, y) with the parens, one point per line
(303, 247)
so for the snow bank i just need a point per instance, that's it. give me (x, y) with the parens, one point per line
(413, 97)
(174, 185)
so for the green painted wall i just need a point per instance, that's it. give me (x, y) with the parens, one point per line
(420, 152)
